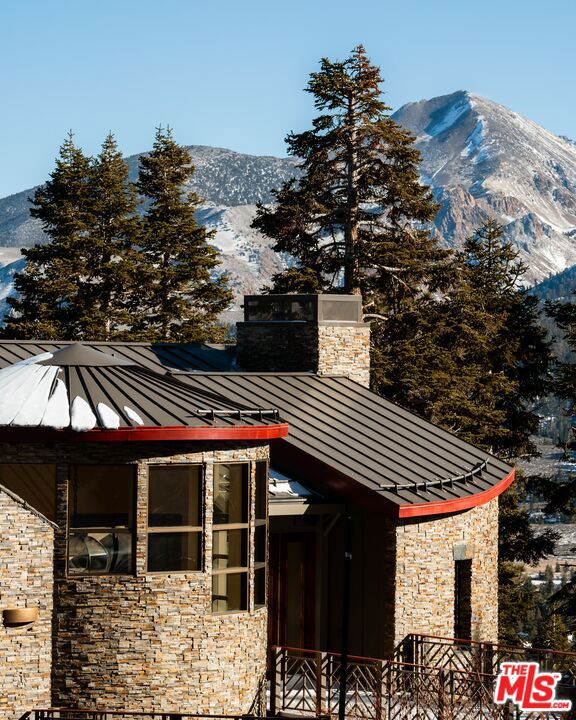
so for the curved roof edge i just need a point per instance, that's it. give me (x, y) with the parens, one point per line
(442, 507)
(146, 434)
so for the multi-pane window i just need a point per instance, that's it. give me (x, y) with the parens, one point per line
(175, 518)
(101, 519)
(230, 539)
(34, 483)
(235, 552)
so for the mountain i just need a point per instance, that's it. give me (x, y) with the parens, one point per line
(484, 160)
(481, 159)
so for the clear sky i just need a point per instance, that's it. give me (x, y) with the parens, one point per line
(230, 73)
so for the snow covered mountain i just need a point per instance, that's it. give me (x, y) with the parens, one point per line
(481, 159)
(484, 160)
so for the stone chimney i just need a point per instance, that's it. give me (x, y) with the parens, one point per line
(323, 334)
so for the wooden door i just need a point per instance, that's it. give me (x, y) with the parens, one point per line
(291, 599)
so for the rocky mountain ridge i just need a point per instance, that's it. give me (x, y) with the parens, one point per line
(481, 159)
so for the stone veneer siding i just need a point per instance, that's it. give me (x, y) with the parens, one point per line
(305, 347)
(425, 573)
(150, 642)
(26, 580)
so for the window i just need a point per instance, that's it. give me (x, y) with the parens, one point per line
(101, 519)
(175, 518)
(463, 599)
(260, 534)
(230, 537)
(233, 553)
(36, 484)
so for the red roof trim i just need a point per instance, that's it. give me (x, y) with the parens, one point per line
(448, 506)
(145, 434)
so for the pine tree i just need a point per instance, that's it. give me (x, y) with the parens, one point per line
(103, 304)
(180, 299)
(514, 356)
(354, 220)
(78, 285)
(49, 283)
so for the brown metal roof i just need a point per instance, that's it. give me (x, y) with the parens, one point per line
(160, 357)
(339, 431)
(82, 388)
(354, 433)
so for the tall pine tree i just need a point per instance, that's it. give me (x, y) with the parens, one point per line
(78, 285)
(180, 299)
(354, 220)
(48, 285)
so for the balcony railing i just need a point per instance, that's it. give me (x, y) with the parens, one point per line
(447, 680)
(74, 714)
(473, 657)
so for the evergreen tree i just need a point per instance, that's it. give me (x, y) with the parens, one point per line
(552, 634)
(49, 283)
(179, 299)
(355, 219)
(78, 285)
(514, 356)
(518, 545)
(484, 331)
(103, 304)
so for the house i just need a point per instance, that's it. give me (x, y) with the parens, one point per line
(171, 511)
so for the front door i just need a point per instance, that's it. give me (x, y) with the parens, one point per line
(291, 593)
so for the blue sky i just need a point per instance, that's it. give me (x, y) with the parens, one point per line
(230, 73)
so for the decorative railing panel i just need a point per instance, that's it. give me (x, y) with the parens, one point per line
(451, 685)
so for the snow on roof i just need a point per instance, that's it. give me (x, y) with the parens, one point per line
(80, 388)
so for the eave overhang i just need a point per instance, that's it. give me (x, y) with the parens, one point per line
(145, 434)
(286, 456)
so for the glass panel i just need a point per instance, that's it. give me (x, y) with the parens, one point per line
(94, 553)
(36, 484)
(175, 495)
(230, 549)
(230, 592)
(102, 496)
(260, 587)
(261, 490)
(174, 551)
(230, 494)
(260, 543)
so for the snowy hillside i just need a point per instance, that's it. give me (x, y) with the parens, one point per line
(484, 160)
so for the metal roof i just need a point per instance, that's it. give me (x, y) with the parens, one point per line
(354, 433)
(339, 430)
(160, 357)
(81, 388)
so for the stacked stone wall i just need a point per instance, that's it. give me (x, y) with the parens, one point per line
(345, 350)
(425, 573)
(150, 642)
(305, 347)
(26, 580)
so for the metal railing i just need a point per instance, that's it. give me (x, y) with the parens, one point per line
(82, 714)
(472, 656)
(455, 687)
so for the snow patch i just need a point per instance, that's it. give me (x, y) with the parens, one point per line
(133, 415)
(57, 413)
(82, 418)
(109, 419)
(474, 143)
(449, 118)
